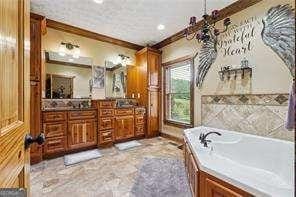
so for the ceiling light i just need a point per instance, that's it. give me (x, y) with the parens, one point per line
(98, 1)
(160, 27)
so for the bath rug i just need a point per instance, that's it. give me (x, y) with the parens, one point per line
(81, 156)
(128, 145)
(161, 177)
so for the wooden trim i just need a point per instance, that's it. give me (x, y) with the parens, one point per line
(36, 16)
(171, 137)
(89, 34)
(225, 12)
(171, 122)
(181, 59)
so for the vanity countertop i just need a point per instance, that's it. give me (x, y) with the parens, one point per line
(68, 109)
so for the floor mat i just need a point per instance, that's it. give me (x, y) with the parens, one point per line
(128, 145)
(161, 177)
(81, 156)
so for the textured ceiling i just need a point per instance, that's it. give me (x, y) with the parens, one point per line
(130, 20)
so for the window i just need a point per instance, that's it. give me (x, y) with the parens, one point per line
(178, 93)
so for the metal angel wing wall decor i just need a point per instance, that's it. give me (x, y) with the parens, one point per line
(207, 57)
(279, 33)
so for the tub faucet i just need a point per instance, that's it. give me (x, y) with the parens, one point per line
(203, 140)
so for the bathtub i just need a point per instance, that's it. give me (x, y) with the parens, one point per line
(261, 166)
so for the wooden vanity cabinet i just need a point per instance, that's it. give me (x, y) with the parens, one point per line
(55, 131)
(203, 184)
(67, 131)
(124, 127)
(106, 121)
(82, 133)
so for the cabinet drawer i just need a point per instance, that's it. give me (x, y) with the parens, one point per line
(106, 136)
(54, 116)
(106, 104)
(106, 123)
(124, 112)
(106, 112)
(54, 129)
(55, 145)
(76, 115)
(139, 130)
(139, 119)
(140, 111)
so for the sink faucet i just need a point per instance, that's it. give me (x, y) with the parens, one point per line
(203, 140)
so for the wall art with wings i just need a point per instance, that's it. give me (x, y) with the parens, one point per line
(205, 58)
(279, 33)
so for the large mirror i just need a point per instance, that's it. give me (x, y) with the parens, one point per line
(116, 77)
(67, 77)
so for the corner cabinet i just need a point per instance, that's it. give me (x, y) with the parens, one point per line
(143, 84)
(203, 184)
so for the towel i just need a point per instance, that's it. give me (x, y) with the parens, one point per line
(290, 124)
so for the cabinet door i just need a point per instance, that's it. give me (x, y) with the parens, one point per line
(35, 120)
(35, 49)
(131, 82)
(81, 133)
(193, 176)
(214, 189)
(124, 127)
(153, 68)
(152, 118)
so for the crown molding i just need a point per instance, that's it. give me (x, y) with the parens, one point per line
(223, 13)
(88, 34)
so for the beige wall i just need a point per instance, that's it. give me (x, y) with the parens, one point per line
(98, 51)
(270, 74)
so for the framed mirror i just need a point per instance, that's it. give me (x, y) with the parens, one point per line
(67, 77)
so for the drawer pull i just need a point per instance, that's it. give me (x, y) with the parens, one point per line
(106, 134)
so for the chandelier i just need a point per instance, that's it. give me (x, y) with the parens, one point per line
(208, 30)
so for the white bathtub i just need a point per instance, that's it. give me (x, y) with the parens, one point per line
(258, 165)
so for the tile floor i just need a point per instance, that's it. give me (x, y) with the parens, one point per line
(112, 175)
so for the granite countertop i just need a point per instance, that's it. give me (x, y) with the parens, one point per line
(69, 109)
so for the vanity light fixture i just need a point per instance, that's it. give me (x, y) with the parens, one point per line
(123, 59)
(64, 46)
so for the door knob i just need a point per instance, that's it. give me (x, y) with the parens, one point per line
(40, 139)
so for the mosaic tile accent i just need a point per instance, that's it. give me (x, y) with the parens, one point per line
(247, 99)
(262, 115)
(64, 103)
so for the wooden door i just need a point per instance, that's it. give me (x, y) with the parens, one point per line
(81, 133)
(14, 93)
(153, 118)
(124, 127)
(35, 120)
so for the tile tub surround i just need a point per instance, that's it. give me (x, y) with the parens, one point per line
(62, 103)
(112, 175)
(258, 165)
(259, 114)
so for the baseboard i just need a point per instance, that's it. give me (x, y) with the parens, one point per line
(173, 138)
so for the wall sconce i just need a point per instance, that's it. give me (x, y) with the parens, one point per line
(123, 59)
(64, 46)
